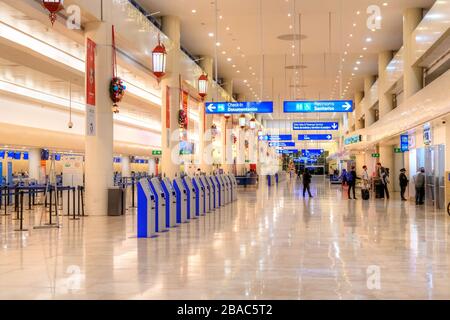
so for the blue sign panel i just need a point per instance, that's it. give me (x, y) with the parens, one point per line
(287, 151)
(278, 137)
(281, 144)
(305, 126)
(312, 152)
(239, 107)
(318, 106)
(315, 137)
(404, 142)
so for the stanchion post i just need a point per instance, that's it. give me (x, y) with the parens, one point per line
(132, 192)
(74, 217)
(21, 213)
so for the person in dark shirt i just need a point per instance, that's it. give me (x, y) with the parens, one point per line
(403, 179)
(306, 183)
(351, 180)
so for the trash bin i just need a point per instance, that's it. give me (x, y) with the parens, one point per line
(116, 201)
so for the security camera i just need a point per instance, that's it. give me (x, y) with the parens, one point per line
(70, 124)
(444, 122)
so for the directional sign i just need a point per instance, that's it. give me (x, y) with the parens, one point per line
(287, 151)
(239, 107)
(312, 152)
(279, 137)
(375, 155)
(353, 139)
(404, 143)
(306, 126)
(281, 144)
(318, 106)
(315, 137)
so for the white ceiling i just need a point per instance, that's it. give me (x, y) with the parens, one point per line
(239, 34)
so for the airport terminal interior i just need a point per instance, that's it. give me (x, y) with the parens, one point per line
(224, 149)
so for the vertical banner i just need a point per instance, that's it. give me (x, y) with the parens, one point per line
(90, 88)
(167, 107)
(90, 72)
(185, 99)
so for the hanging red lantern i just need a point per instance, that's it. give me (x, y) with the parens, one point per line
(227, 116)
(203, 86)
(159, 58)
(53, 6)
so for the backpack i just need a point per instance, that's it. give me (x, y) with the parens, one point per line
(349, 177)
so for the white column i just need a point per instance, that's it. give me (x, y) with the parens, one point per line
(99, 148)
(369, 115)
(152, 166)
(34, 163)
(412, 75)
(126, 169)
(206, 121)
(385, 102)
(358, 109)
(171, 99)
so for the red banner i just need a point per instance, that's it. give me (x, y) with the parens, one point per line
(185, 99)
(90, 72)
(167, 107)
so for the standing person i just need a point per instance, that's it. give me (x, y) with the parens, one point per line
(419, 181)
(403, 180)
(306, 183)
(351, 180)
(386, 181)
(365, 178)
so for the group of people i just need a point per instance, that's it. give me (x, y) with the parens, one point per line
(382, 181)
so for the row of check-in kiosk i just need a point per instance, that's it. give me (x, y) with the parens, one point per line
(165, 204)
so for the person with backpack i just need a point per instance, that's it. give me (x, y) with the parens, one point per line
(306, 183)
(403, 179)
(351, 180)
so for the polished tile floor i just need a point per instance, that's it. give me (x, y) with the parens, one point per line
(271, 244)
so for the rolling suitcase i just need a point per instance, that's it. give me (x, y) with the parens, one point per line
(365, 194)
(379, 191)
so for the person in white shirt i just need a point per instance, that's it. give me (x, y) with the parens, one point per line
(365, 178)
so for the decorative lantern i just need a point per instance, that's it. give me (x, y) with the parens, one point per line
(227, 116)
(116, 92)
(253, 123)
(242, 121)
(159, 58)
(203, 86)
(53, 6)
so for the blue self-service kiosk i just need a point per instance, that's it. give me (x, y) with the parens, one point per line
(160, 197)
(233, 187)
(221, 190)
(200, 192)
(208, 194)
(182, 200)
(229, 187)
(192, 198)
(146, 212)
(214, 191)
(171, 203)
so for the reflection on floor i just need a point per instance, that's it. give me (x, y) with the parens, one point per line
(271, 244)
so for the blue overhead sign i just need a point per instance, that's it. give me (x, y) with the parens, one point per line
(312, 152)
(287, 151)
(315, 137)
(306, 126)
(239, 107)
(318, 106)
(281, 144)
(278, 137)
(404, 142)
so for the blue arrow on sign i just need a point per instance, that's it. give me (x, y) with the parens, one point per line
(315, 137)
(318, 106)
(281, 144)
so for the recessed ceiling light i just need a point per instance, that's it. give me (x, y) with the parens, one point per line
(194, 11)
(224, 52)
(228, 59)
(368, 39)
(364, 48)
(218, 44)
(210, 34)
(227, 28)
